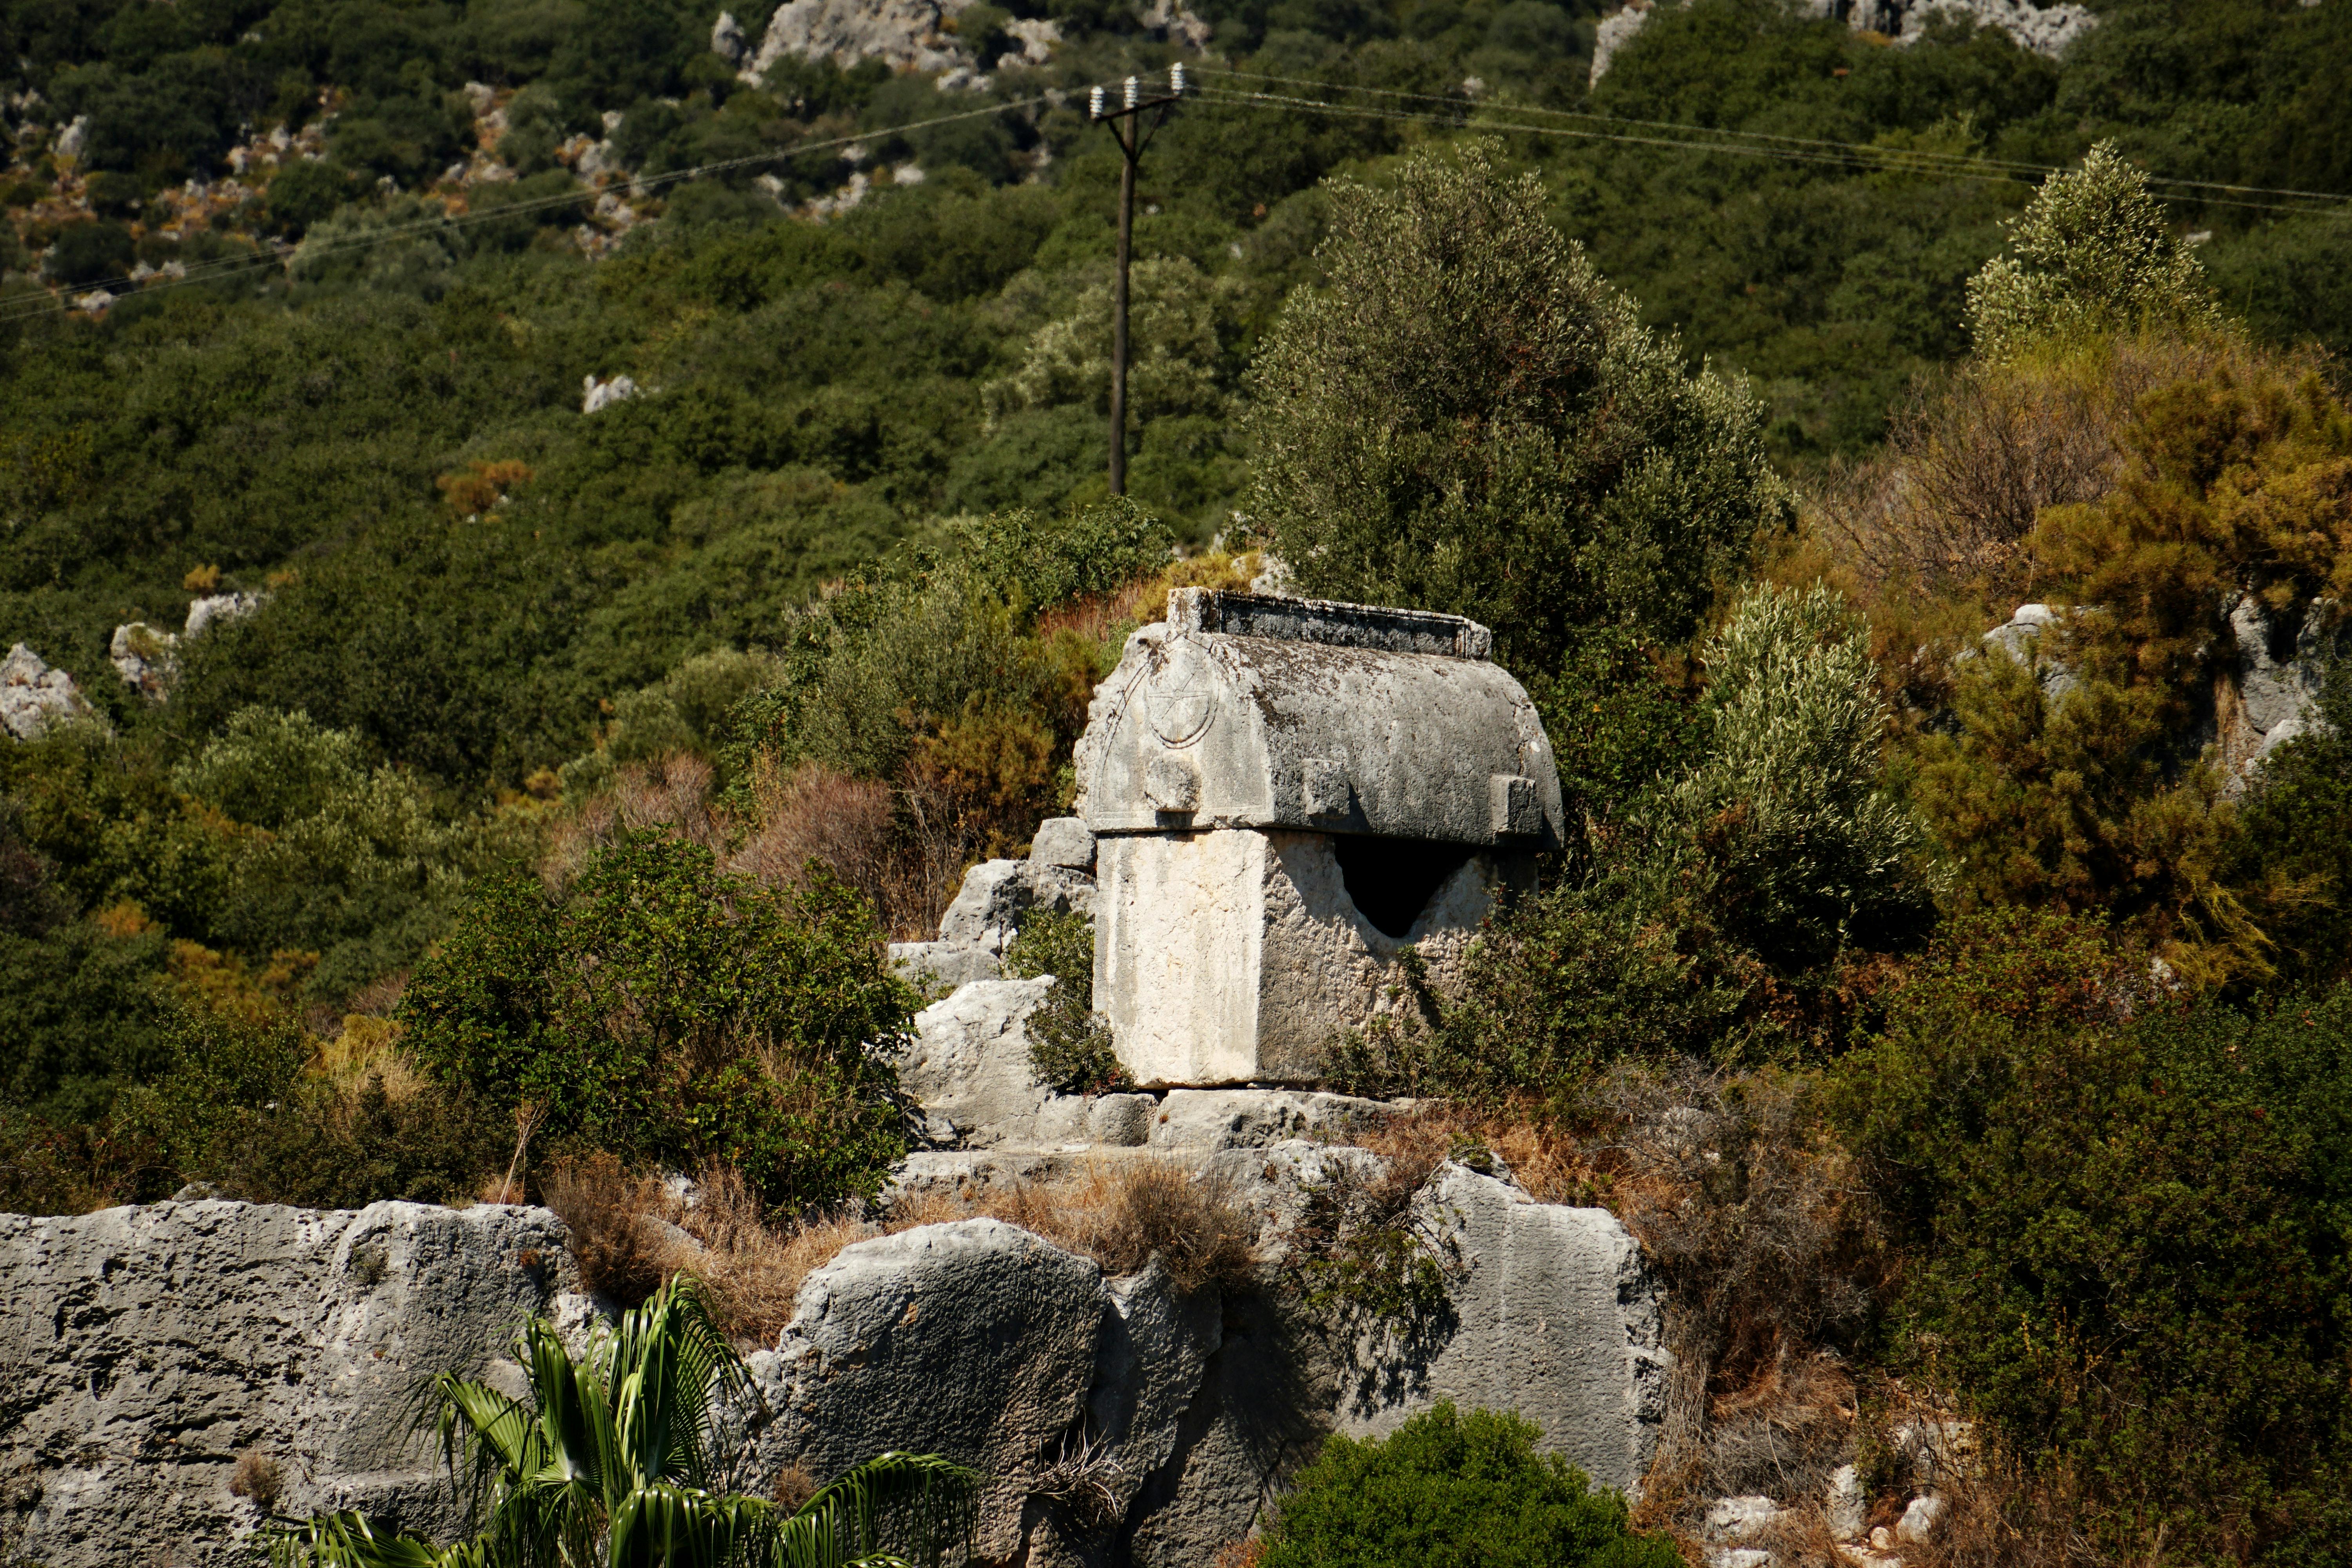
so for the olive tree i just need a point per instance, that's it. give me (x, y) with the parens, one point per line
(1466, 417)
(2091, 253)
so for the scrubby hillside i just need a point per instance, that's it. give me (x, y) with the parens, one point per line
(542, 534)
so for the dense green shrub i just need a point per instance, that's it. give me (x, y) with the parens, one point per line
(2129, 1218)
(1469, 418)
(2091, 254)
(2298, 830)
(1450, 1490)
(1070, 1048)
(1809, 853)
(664, 1010)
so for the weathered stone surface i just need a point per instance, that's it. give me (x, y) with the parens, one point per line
(2047, 30)
(975, 1339)
(1236, 956)
(1256, 1418)
(2029, 639)
(1155, 1346)
(998, 895)
(907, 34)
(1556, 1316)
(1286, 794)
(142, 1349)
(1122, 1121)
(945, 963)
(969, 1061)
(1065, 842)
(144, 658)
(1250, 712)
(33, 696)
(214, 608)
(1253, 1118)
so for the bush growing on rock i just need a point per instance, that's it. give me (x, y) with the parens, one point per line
(662, 1009)
(1452, 1490)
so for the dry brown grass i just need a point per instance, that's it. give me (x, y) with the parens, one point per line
(605, 1207)
(257, 1478)
(1123, 1213)
(813, 813)
(629, 1233)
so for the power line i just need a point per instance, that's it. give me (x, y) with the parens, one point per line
(1865, 149)
(28, 308)
(1850, 156)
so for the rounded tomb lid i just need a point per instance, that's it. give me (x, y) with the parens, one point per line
(1247, 711)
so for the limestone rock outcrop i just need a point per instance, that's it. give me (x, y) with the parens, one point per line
(969, 1063)
(33, 696)
(2046, 30)
(975, 1339)
(1556, 1316)
(996, 898)
(142, 1350)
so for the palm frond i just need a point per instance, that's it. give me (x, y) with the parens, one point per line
(347, 1541)
(894, 1504)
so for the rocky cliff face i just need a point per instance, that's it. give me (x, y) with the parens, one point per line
(144, 1352)
(2046, 30)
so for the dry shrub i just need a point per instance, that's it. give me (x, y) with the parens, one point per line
(813, 813)
(1972, 460)
(1124, 1214)
(1999, 1515)
(620, 1255)
(1144, 601)
(670, 793)
(1244, 1553)
(753, 1272)
(1773, 1252)
(258, 1478)
(1536, 1148)
(793, 1486)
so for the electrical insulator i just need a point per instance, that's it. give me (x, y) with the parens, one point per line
(1176, 78)
(1094, 104)
(1134, 92)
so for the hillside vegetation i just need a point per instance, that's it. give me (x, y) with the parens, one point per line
(1961, 1022)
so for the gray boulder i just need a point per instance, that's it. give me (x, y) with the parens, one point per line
(1555, 1315)
(998, 895)
(969, 1061)
(1253, 1118)
(975, 1339)
(144, 658)
(144, 1349)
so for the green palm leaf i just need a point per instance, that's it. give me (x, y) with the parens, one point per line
(615, 1460)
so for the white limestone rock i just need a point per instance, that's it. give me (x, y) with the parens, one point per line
(142, 1349)
(1236, 956)
(1256, 1118)
(1066, 843)
(906, 35)
(214, 608)
(727, 39)
(969, 1061)
(33, 696)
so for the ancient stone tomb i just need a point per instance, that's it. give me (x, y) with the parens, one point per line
(1288, 793)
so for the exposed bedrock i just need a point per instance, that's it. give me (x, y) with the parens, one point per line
(142, 1350)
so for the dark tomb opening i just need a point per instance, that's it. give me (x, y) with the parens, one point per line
(1391, 880)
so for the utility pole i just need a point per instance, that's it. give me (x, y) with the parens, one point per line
(1128, 129)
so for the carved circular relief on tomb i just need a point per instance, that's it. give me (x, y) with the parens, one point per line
(1179, 703)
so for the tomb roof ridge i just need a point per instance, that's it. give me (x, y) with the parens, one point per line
(1330, 621)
